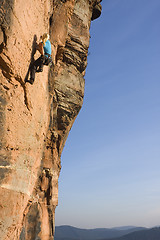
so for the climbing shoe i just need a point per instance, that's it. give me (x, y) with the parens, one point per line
(39, 70)
(31, 81)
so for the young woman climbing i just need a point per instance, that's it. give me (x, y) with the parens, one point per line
(44, 47)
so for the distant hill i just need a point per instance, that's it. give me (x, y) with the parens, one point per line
(127, 227)
(72, 233)
(149, 234)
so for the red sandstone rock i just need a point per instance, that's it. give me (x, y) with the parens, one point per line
(35, 119)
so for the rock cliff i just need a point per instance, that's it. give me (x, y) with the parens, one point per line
(35, 119)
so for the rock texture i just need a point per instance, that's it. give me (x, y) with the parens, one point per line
(35, 119)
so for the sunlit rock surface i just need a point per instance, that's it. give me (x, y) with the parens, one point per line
(35, 119)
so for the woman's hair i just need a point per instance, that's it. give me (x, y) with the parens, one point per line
(45, 37)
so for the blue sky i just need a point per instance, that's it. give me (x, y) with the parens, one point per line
(111, 161)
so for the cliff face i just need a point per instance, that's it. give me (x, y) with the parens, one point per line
(35, 119)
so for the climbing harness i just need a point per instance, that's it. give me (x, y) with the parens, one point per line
(47, 59)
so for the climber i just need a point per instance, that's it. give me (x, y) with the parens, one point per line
(44, 47)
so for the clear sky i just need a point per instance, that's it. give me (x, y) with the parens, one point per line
(111, 161)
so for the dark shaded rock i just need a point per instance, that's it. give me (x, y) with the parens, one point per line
(96, 11)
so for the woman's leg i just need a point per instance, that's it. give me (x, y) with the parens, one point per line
(34, 66)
